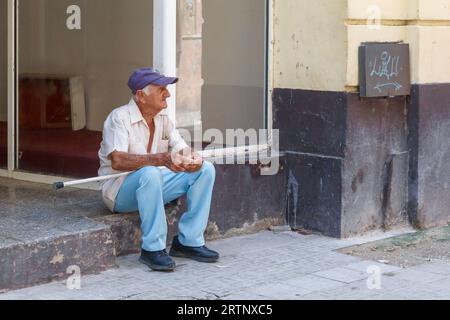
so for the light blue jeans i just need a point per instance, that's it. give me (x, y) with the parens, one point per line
(149, 188)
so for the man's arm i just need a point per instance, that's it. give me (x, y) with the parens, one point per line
(122, 161)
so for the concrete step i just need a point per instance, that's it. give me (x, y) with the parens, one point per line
(43, 233)
(33, 253)
(126, 228)
(39, 247)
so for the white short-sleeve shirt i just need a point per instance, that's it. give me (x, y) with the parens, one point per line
(125, 130)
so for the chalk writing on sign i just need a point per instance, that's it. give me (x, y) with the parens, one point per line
(385, 68)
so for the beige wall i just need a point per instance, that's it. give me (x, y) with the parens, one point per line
(390, 9)
(310, 44)
(425, 25)
(3, 60)
(434, 9)
(116, 37)
(341, 26)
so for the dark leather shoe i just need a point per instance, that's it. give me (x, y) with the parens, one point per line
(201, 254)
(157, 260)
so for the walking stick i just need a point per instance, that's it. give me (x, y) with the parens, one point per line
(209, 155)
(206, 154)
(61, 185)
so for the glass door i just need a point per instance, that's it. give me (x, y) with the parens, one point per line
(3, 84)
(75, 57)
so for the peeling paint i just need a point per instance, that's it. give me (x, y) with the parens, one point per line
(212, 230)
(58, 258)
(257, 226)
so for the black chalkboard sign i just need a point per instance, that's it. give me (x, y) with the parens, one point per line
(384, 69)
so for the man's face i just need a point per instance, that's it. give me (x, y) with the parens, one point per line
(156, 100)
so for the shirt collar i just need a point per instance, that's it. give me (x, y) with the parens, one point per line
(136, 114)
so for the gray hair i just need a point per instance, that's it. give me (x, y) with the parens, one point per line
(146, 90)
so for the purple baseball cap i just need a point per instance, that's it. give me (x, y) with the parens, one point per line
(144, 76)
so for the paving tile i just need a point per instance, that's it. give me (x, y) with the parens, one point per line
(313, 283)
(245, 296)
(438, 267)
(257, 267)
(364, 265)
(342, 274)
(279, 291)
(358, 290)
(417, 277)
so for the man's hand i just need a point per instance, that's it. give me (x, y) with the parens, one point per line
(188, 160)
(172, 166)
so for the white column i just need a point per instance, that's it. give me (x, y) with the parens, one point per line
(165, 44)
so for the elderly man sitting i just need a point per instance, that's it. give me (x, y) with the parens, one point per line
(137, 137)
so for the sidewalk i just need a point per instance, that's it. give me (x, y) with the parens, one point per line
(267, 265)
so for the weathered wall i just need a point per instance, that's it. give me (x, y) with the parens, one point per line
(390, 9)
(423, 24)
(301, 61)
(309, 108)
(312, 128)
(376, 162)
(382, 139)
(310, 44)
(429, 145)
(375, 169)
(429, 117)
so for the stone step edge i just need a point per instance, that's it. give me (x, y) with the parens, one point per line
(27, 264)
(126, 233)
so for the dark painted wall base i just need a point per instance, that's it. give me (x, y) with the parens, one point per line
(314, 188)
(376, 165)
(429, 143)
(347, 170)
(243, 197)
